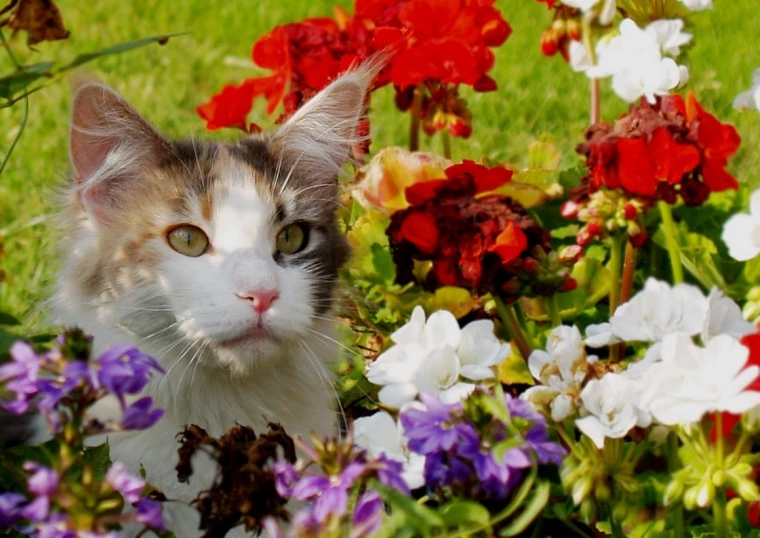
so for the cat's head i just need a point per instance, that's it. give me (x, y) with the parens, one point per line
(233, 246)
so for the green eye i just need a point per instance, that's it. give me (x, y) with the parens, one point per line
(292, 238)
(188, 240)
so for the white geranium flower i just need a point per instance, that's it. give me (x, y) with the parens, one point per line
(668, 34)
(634, 59)
(431, 356)
(691, 380)
(480, 350)
(561, 370)
(651, 314)
(612, 410)
(741, 233)
(698, 5)
(751, 98)
(580, 59)
(380, 435)
(724, 317)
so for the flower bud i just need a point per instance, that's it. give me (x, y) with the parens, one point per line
(581, 489)
(746, 489)
(602, 492)
(673, 492)
(574, 29)
(569, 209)
(719, 478)
(630, 211)
(570, 255)
(690, 498)
(753, 513)
(588, 512)
(705, 494)
(559, 27)
(569, 285)
(549, 43)
(638, 240)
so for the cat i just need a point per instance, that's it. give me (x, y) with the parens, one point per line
(218, 259)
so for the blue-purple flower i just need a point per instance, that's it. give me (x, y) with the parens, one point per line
(120, 479)
(368, 514)
(10, 506)
(149, 513)
(125, 370)
(21, 376)
(473, 452)
(141, 415)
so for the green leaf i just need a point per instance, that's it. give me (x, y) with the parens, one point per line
(423, 518)
(460, 513)
(697, 256)
(15, 82)
(593, 280)
(572, 177)
(543, 155)
(8, 320)
(117, 49)
(529, 511)
(98, 458)
(514, 371)
(383, 262)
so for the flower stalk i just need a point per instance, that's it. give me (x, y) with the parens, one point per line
(446, 137)
(720, 520)
(669, 227)
(674, 463)
(507, 315)
(552, 305)
(414, 131)
(595, 90)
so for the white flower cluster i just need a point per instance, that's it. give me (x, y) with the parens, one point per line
(432, 356)
(677, 381)
(637, 59)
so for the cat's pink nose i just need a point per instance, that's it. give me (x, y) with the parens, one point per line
(261, 300)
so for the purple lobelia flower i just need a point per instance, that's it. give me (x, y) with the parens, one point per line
(149, 512)
(141, 415)
(368, 514)
(330, 492)
(120, 479)
(21, 376)
(537, 437)
(10, 507)
(43, 483)
(125, 370)
(388, 473)
(433, 428)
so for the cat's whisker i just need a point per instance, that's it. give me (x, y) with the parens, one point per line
(325, 380)
(334, 341)
(189, 364)
(181, 356)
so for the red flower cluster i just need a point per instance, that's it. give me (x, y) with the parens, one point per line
(660, 151)
(475, 240)
(436, 44)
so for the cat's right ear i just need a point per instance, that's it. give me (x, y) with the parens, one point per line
(110, 146)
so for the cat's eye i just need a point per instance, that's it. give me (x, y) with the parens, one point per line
(292, 238)
(188, 240)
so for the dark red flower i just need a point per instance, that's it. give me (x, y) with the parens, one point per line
(228, 108)
(481, 241)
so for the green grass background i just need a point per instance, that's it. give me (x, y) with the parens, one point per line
(536, 96)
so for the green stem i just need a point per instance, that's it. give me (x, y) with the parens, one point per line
(446, 143)
(674, 463)
(720, 519)
(414, 132)
(616, 266)
(552, 305)
(507, 315)
(669, 227)
(595, 91)
(26, 107)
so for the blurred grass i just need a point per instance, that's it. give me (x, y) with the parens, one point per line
(536, 96)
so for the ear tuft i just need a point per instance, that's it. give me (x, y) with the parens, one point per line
(319, 136)
(110, 144)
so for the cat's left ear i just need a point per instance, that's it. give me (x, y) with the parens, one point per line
(319, 136)
(110, 145)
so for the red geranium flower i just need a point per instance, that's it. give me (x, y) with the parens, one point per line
(661, 151)
(481, 241)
